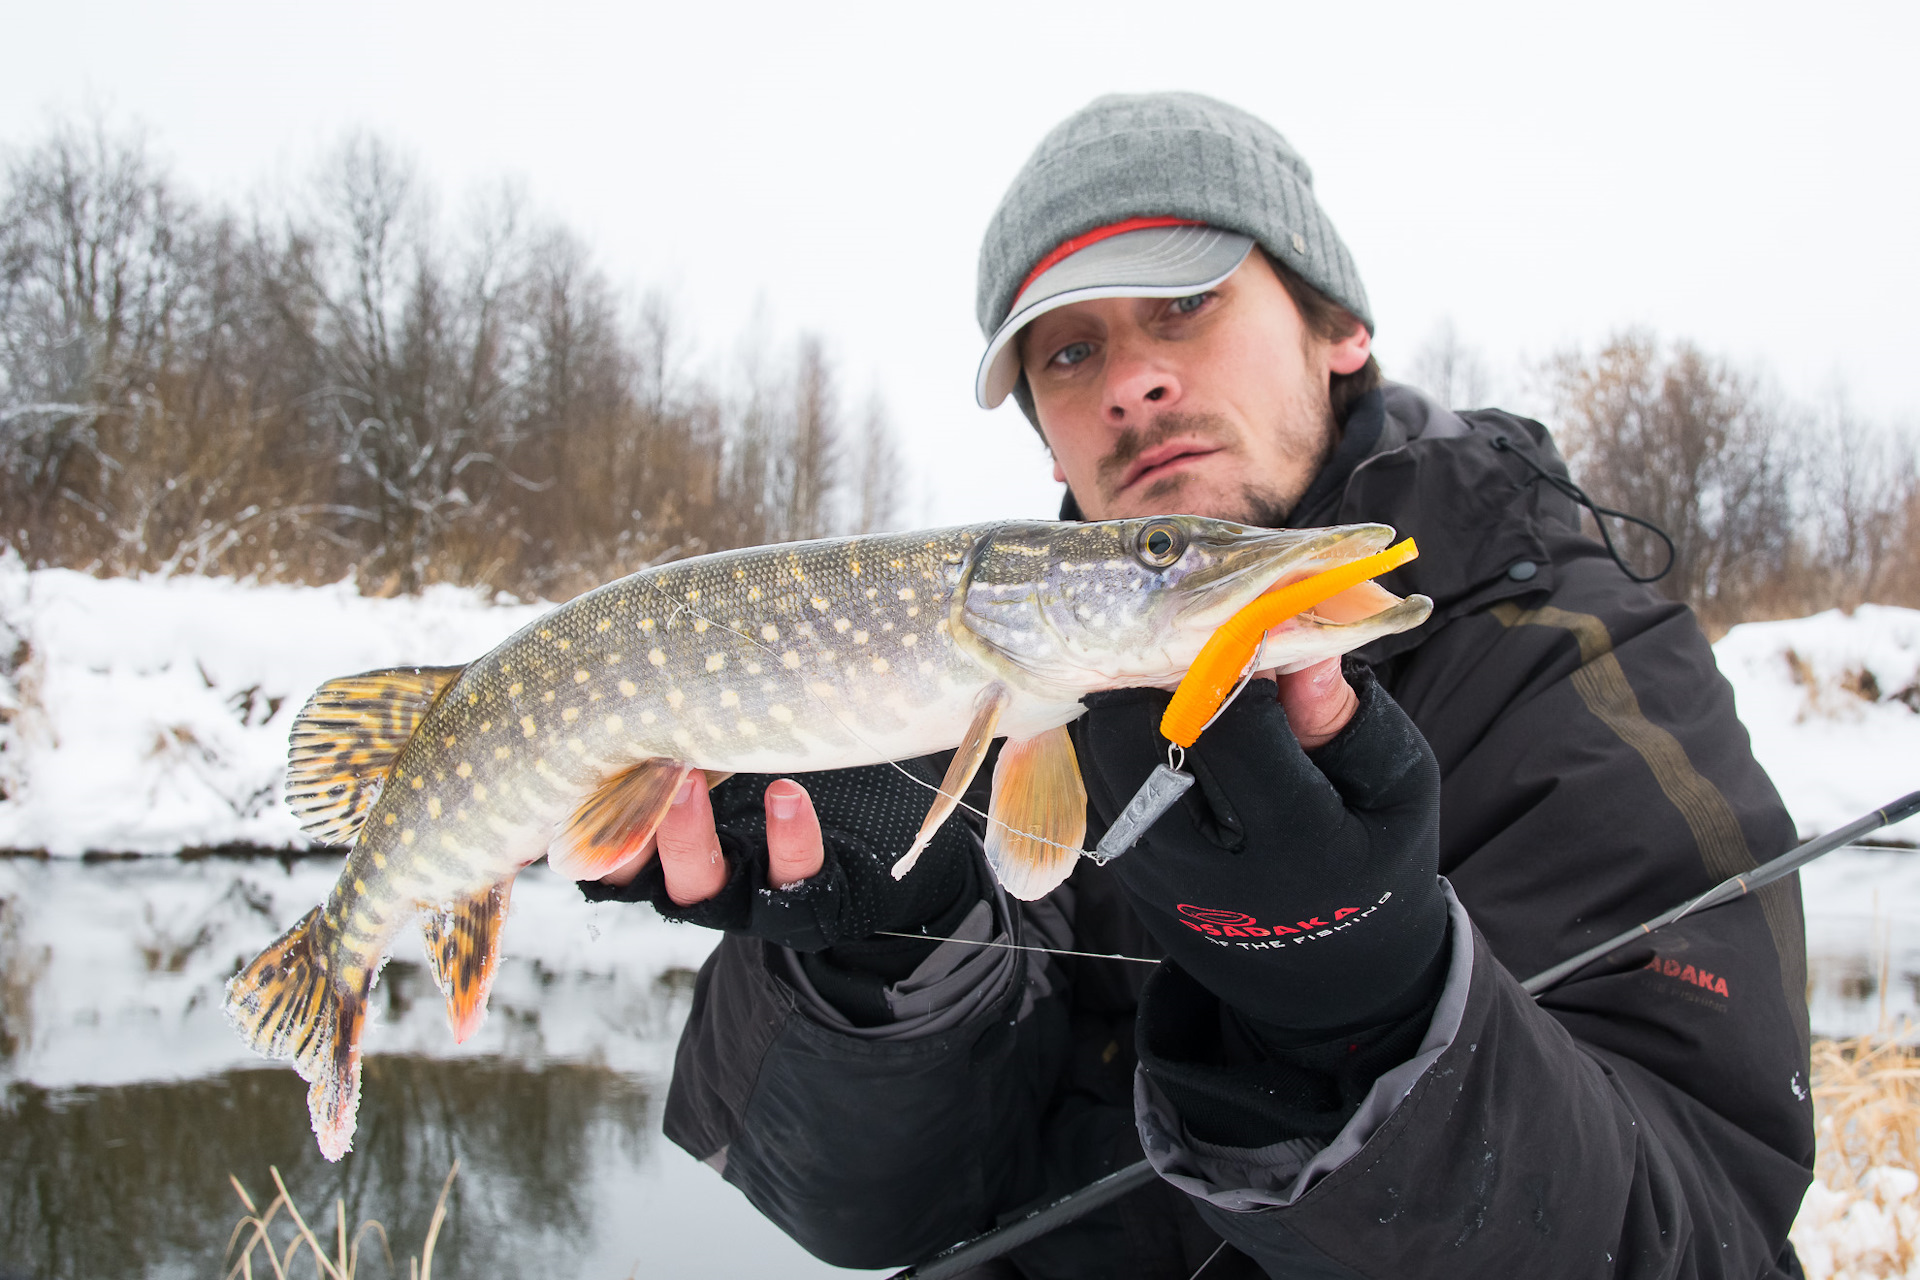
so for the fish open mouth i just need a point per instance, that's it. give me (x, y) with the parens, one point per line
(1257, 562)
(1355, 604)
(1362, 611)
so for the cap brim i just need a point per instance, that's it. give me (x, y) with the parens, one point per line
(1154, 262)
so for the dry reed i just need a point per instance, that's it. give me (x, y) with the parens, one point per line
(1861, 1219)
(346, 1260)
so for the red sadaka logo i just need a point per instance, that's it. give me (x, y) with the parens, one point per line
(1221, 925)
(1699, 977)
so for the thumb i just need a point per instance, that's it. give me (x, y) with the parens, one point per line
(1379, 759)
(1318, 701)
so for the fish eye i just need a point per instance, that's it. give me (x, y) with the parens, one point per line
(1159, 544)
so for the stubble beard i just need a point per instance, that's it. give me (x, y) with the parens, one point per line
(1308, 433)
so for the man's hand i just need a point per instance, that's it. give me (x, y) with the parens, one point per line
(689, 843)
(1300, 888)
(756, 856)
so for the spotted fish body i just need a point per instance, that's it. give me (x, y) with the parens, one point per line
(569, 739)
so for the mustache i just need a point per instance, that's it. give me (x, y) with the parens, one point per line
(1134, 441)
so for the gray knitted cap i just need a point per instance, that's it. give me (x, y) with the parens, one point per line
(1175, 154)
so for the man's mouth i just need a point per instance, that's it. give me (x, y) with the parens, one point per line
(1164, 460)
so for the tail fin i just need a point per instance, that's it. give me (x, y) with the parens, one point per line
(288, 1005)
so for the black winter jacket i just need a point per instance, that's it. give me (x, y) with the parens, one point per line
(1650, 1117)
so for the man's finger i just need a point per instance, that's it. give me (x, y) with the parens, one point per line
(1318, 702)
(690, 858)
(795, 851)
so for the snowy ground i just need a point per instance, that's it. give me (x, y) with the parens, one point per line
(1833, 704)
(149, 716)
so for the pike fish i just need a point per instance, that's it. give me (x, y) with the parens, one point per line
(569, 740)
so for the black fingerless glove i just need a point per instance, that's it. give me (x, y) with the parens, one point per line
(1301, 888)
(868, 818)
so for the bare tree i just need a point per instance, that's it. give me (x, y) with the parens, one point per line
(94, 266)
(812, 457)
(1688, 442)
(348, 387)
(877, 495)
(422, 358)
(1861, 481)
(1450, 370)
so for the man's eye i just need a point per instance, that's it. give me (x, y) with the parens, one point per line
(1071, 354)
(1190, 304)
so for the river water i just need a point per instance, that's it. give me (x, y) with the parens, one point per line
(126, 1102)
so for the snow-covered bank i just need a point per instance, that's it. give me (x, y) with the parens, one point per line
(148, 715)
(1833, 704)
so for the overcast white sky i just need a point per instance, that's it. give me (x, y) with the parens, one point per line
(1744, 174)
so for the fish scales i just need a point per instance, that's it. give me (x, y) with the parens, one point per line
(760, 662)
(785, 659)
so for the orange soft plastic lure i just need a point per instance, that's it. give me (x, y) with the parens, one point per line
(1224, 657)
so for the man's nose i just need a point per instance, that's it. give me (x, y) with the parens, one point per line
(1137, 385)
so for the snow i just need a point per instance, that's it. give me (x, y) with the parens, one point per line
(1862, 1233)
(1833, 704)
(150, 715)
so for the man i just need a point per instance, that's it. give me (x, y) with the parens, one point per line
(1334, 1070)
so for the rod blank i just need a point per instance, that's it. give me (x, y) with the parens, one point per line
(1732, 887)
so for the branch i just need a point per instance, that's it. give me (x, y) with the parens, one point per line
(55, 410)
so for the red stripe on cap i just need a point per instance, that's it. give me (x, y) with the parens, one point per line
(1067, 248)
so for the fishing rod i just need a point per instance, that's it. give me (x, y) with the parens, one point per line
(1732, 887)
(991, 1244)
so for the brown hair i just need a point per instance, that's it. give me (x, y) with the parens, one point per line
(1328, 321)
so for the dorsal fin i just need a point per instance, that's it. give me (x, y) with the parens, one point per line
(344, 742)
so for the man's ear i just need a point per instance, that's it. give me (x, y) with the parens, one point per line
(1349, 355)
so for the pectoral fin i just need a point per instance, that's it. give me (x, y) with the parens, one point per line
(966, 763)
(344, 741)
(616, 821)
(463, 949)
(1039, 814)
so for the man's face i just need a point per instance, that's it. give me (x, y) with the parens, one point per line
(1213, 405)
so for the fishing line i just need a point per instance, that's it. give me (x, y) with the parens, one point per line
(1014, 946)
(1246, 678)
(1209, 1262)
